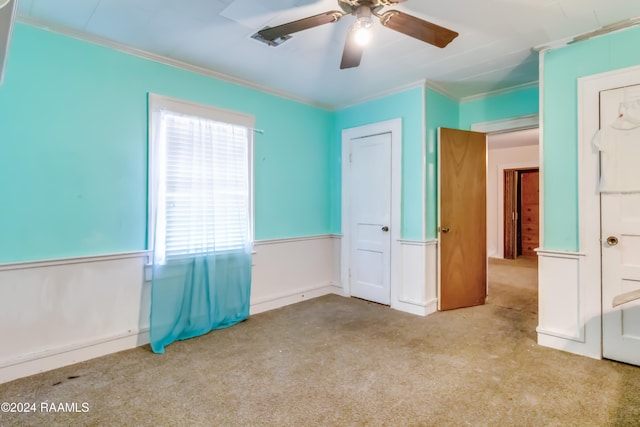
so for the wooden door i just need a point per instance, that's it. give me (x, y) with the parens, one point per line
(370, 162)
(462, 218)
(620, 237)
(529, 200)
(510, 213)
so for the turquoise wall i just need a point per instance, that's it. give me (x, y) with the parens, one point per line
(73, 149)
(407, 105)
(516, 103)
(73, 130)
(562, 68)
(441, 111)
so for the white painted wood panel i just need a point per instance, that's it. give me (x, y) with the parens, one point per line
(292, 270)
(60, 312)
(417, 284)
(56, 315)
(566, 318)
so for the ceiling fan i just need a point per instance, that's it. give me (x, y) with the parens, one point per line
(359, 32)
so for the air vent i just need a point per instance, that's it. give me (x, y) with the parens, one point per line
(274, 43)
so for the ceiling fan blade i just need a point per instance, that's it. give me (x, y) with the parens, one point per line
(417, 28)
(301, 24)
(352, 53)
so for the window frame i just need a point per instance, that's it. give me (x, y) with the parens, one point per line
(157, 103)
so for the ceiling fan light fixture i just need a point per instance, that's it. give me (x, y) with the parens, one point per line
(362, 36)
(362, 27)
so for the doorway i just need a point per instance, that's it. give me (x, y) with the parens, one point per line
(507, 150)
(513, 283)
(521, 212)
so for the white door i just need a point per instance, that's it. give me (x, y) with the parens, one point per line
(620, 237)
(370, 212)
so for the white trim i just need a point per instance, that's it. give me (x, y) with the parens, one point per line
(579, 339)
(531, 121)
(142, 337)
(417, 308)
(287, 298)
(394, 127)
(559, 254)
(157, 103)
(423, 154)
(541, 152)
(439, 88)
(606, 29)
(498, 92)
(295, 239)
(54, 358)
(120, 47)
(430, 242)
(161, 102)
(75, 260)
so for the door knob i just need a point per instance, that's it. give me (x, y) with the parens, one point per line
(385, 228)
(612, 240)
(445, 229)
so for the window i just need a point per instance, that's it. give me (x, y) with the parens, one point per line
(200, 176)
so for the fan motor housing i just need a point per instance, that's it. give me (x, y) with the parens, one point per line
(350, 6)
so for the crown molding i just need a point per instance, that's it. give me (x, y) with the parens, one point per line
(121, 47)
(497, 92)
(437, 87)
(606, 29)
(381, 94)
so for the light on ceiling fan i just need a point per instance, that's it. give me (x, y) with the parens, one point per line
(362, 26)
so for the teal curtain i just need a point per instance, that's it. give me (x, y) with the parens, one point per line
(201, 228)
(190, 297)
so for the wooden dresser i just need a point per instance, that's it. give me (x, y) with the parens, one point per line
(529, 228)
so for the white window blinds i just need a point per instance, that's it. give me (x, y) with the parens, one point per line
(203, 185)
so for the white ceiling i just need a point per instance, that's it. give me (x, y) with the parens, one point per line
(493, 51)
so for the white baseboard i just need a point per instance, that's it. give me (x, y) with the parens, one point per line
(35, 363)
(416, 307)
(289, 298)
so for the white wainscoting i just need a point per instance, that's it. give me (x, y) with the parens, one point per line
(564, 320)
(60, 312)
(286, 271)
(416, 289)
(56, 313)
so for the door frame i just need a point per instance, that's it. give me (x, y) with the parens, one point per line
(514, 124)
(394, 127)
(589, 219)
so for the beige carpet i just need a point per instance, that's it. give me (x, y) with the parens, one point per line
(337, 361)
